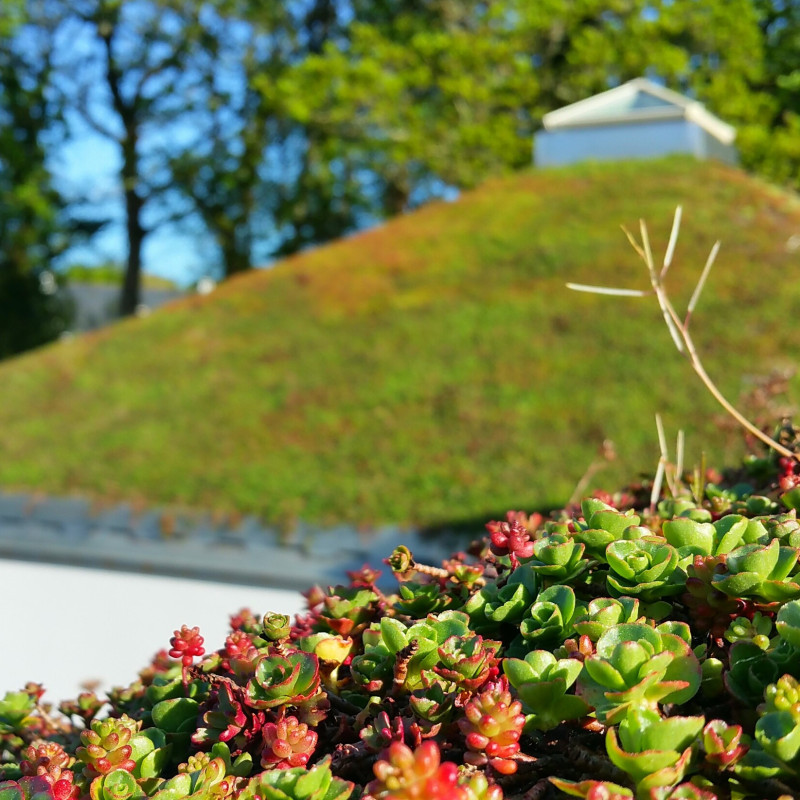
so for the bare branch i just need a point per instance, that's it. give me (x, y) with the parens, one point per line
(634, 244)
(657, 482)
(583, 287)
(662, 439)
(673, 240)
(679, 331)
(701, 283)
(648, 253)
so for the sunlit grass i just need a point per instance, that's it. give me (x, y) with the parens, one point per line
(430, 370)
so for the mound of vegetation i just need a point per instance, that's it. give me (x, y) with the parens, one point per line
(643, 644)
(432, 370)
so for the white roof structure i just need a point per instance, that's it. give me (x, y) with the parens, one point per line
(639, 100)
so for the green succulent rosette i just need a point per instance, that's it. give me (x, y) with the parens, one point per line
(636, 667)
(760, 571)
(283, 679)
(558, 558)
(646, 568)
(541, 682)
(654, 751)
(317, 783)
(510, 602)
(603, 613)
(550, 617)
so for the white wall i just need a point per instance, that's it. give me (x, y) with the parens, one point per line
(620, 141)
(61, 626)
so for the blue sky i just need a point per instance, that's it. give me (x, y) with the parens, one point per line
(87, 166)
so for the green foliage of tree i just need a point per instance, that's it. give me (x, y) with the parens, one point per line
(413, 96)
(33, 227)
(422, 90)
(260, 179)
(771, 143)
(274, 126)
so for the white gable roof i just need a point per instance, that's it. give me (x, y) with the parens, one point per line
(638, 100)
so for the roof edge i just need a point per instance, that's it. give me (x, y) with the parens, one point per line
(693, 110)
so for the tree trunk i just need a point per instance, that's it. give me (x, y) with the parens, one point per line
(235, 261)
(131, 285)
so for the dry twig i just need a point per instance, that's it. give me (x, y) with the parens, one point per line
(679, 328)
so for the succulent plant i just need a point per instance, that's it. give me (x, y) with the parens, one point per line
(240, 654)
(778, 728)
(723, 744)
(403, 774)
(35, 788)
(751, 669)
(551, 616)
(210, 782)
(646, 568)
(388, 644)
(711, 609)
(755, 630)
(558, 558)
(541, 682)
(420, 599)
(316, 783)
(228, 719)
(492, 725)
(511, 540)
(51, 763)
(489, 674)
(787, 623)
(508, 603)
(593, 790)
(276, 627)
(381, 731)
(603, 613)
(186, 644)
(283, 679)
(466, 661)
(636, 667)
(653, 750)
(604, 524)
(760, 571)
(693, 538)
(116, 785)
(106, 746)
(287, 743)
(86, 707)
(435, 703)
(347, 610)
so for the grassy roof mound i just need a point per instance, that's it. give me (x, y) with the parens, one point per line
(431, 370)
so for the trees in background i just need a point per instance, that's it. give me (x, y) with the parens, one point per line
(33, 221)
(771, 144)
(273, 126)
(122, 67)
(424, 94)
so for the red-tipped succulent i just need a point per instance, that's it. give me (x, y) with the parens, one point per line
(711, 609)
(510, 539)
(49, 760)
(186, 644)
(245, 620)
(492, 725)
(467, 661)
(239, 652)
(405, 774)
(723, 743)
(287, 743)
(283, 679)
(106, 746)
(229, 720)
